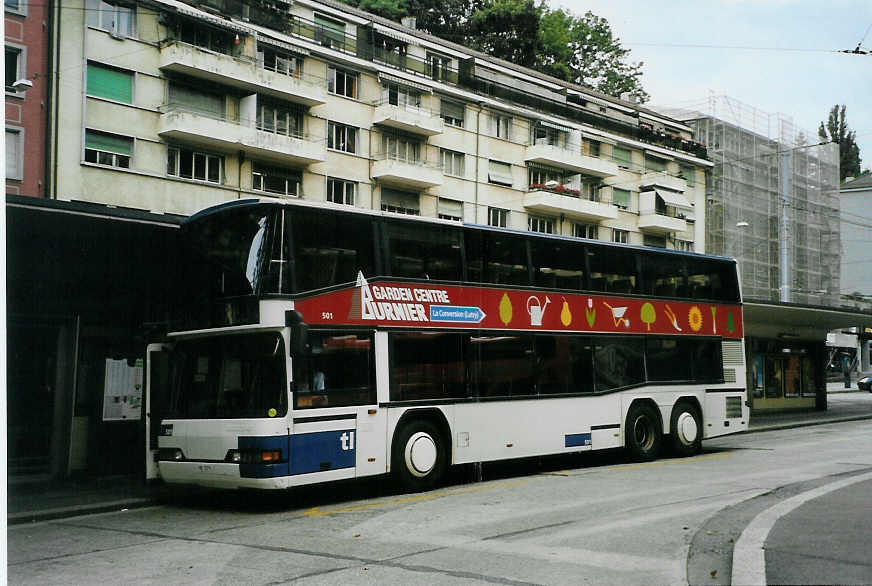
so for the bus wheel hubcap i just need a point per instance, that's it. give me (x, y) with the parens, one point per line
(420, 454)
(686, 428)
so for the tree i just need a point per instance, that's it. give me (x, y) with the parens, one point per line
(836, 130)
(583, 50)
(507, 29)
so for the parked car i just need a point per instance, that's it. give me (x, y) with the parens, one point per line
(865, 383)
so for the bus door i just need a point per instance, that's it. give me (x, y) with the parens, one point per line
(157, 385)
(339, 429)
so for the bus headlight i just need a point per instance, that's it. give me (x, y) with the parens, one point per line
(170, 454)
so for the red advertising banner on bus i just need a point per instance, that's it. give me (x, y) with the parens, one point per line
(424, 306)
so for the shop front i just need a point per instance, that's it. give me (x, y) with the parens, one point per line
(786, 353)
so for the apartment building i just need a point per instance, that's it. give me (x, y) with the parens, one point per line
(27, 49)
(170, 107)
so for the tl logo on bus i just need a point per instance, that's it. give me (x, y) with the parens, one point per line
(391, 303)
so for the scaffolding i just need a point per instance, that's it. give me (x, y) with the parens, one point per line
(772, 201)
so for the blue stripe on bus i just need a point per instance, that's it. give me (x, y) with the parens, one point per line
(574, 440)
(255, 445)
(323, 450)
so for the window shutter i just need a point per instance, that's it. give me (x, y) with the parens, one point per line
(621, 155)
(621, 197)
(453, 109)
(110, 83)
(109, 142)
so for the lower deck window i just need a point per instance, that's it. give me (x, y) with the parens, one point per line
(338, 370)
(443, 365)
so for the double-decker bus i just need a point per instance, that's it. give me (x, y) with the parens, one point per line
(324, 344)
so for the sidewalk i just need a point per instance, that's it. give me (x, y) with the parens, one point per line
(42, 500)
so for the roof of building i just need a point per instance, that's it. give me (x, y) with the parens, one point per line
(864, 182)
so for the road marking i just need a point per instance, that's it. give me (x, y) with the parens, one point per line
(749, 555)
(417, 498)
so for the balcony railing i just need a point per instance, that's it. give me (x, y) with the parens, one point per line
(569, 202)
(229, 136)
(241, 72)
(408, 117)
(407, 172)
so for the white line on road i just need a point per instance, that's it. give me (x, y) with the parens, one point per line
(749, 557)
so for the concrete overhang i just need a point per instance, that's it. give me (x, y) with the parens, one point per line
(788, 321)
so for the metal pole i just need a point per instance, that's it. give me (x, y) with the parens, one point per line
(786, 233)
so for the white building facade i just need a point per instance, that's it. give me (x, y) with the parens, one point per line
(172, 107)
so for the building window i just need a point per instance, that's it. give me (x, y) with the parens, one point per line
(497, 217)
(452, 162)
(284, 63)
(450, 209)
(685, 245)
(192, 99)
(400, 202)
(275, 180)
(499, 173)
(540, 224)
(110, 16)
(110, 83)
(689, 174)
(341, 137)
(329, 32)
(558, 181)
(655, 241)
(654, 164)
(341, 191)
(620, 236)
(341, 83)
(16, 7)
(500, 125)
(453, 113)
(14, 66)
(622, 157)
(397, 95)
(402, 148)
(439, 66)
(14, 154)
(547, 133)
(621, 198)
(279, 119)
(590, 147)
(589, 231)
(190, 164)
(108, 149)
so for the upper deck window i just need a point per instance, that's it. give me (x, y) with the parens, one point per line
(424, 251)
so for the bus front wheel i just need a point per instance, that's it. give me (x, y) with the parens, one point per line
(644, 433)
(686, 430)
(419, 456)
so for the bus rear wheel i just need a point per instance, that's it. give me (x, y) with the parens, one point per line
(644, 434)
(686, 430)
(420, 455)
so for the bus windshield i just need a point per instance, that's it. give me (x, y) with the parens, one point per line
(229, 377)
(227, 250)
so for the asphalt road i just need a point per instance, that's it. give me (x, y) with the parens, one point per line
(594, 519)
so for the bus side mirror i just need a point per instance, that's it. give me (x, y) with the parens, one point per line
(299, 332)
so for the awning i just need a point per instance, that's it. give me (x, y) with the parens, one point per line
(672, 198)
(282, 45)
(225, 23)
(383, 30)
(382, 77)
(659, 155)
(548, 124)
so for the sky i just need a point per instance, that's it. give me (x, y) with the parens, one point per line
(794, 68)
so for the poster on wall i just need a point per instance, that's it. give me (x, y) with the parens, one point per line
(122, 391)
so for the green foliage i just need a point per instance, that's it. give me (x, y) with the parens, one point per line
(577, 49)
(837, 130)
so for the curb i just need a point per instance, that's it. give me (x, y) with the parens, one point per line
(78, 510)
(795, 424)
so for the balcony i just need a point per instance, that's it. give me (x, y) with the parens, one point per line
(653, 179)
(569, 157)
(551, 202)
(408, 118)
(232, 137)
(406, 174)
(183, 58)
(662, 212)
